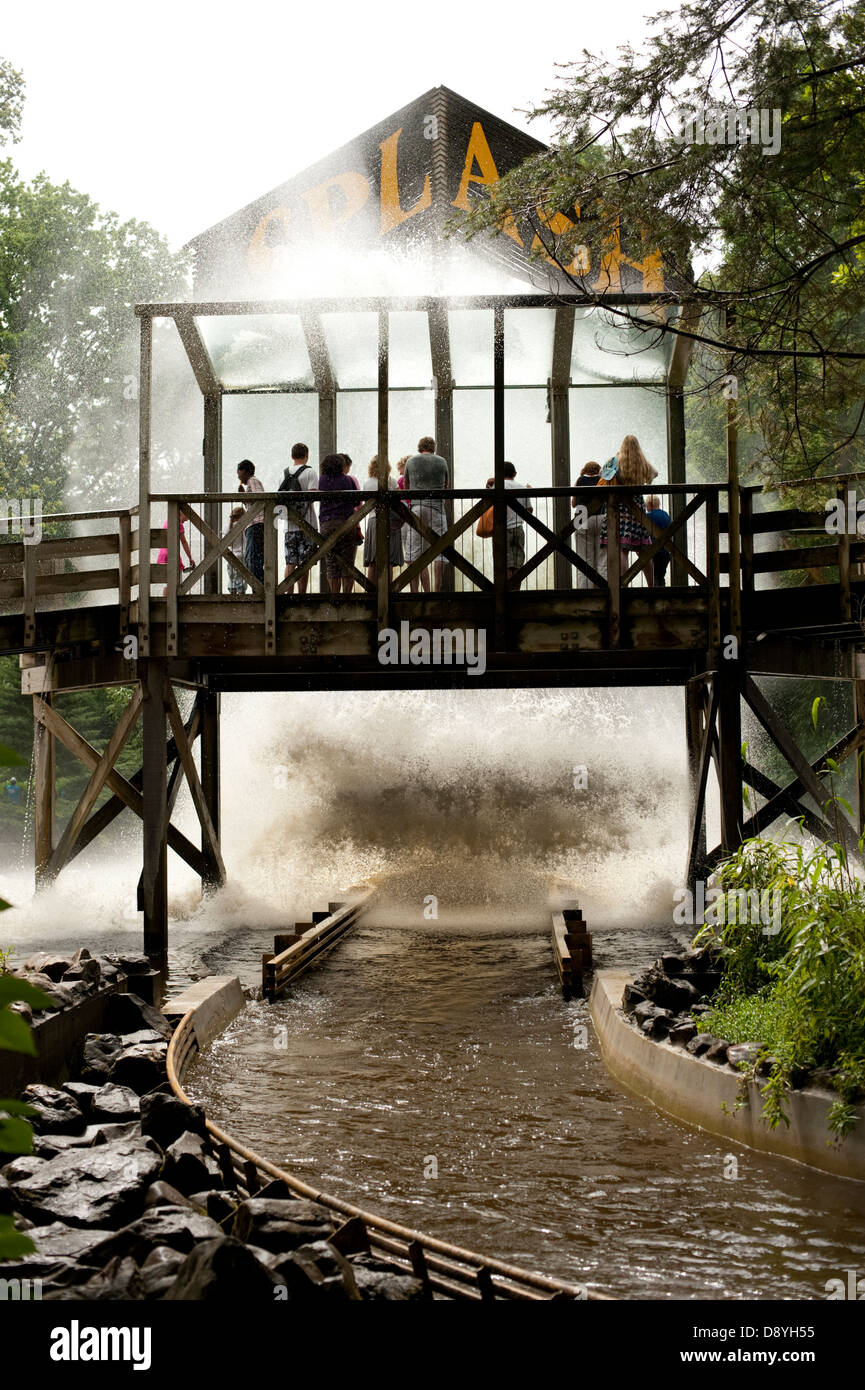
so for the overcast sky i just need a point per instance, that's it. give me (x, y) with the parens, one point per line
(179, 113)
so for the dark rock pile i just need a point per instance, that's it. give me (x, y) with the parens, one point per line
(69, 979)
(668, 1000)
(126, 1198)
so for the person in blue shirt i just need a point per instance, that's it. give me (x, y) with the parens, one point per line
(661, 562)
(13, 791)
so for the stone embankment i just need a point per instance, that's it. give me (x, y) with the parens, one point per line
(123, 1194)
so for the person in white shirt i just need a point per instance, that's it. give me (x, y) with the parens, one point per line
(299, 476)
(516, 530)
(253, 539)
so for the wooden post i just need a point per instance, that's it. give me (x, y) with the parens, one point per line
(614, 572)
(172, 577)
(155, 818)
(694, 716)
(44, 770)
(730, 769)
(676, 472)
(382, 512)
(213, 481)
(713, 579)
(440, 356)
(858, 720)
(209, 702)
(846, 612)
(500, 540)
(271, 577)
(733, 519)
(124, 567)
(144, 431)
(560, 433)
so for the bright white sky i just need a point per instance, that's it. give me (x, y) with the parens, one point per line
(180, 113)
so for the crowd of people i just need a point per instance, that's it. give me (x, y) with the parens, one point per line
(425, 472)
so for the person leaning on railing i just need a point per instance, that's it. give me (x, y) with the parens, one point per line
(332, 513)
(629, 468)
(587, 538)
(253, 546)
(395, 525)
(425, 470)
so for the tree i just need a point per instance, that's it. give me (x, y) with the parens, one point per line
(762, 217)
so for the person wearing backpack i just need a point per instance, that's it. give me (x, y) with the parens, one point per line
(299, 476)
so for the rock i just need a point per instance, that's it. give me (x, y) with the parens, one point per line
(132, 964)
(6, 1198)
(659, 1026)
(647, 1012)
(766, 1065)
(181, 1228)
(682, 1033)
(60, 1241)
(24, 1010)
(105, 1132)
(376, 1280)
(103, 1185)
(56, 1111)
(160, 1270)
(119, 1281)
(223, 1271)
(280, 1225)
(221, 1205)
(277, 1188)
(701, 1008)
(109, 969)
(700, 1045)
(116, 1103)
(144, 1035)
(141, 1066)
(86, 970)
(631, 998)
(317, 1271)
(50, 1145)
(21, 1169)
(743, 1054)
(56, 992)
(701, 957)
(675, 994)
(100, 1052)
(53, 967)
(165, 1118)
(705, 982)
(717, 1053)
(673, 965)
(126, 1013)
(162, 1194)
(188, 1165)
(82, 1092)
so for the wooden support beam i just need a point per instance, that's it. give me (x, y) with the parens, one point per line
(155, 816)
(560, 430)
(98, 777)
(382, 513)
(797, 760)
(196, 351)
(44, 777)
(698, 802)
(208, 704)
(112, 808)
(209, 839)
(500, 512)
(324, 378)
(144, 446)
(695, 713)
(727, 682)
(212, 447)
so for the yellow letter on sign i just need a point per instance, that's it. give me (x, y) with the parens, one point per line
(392, 211)
(355, 189)
(260, 253)
(479, 153)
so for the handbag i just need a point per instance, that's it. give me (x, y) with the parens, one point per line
(485, 525)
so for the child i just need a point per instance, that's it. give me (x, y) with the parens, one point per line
(236, 581)
(661, 518)
(162, 557)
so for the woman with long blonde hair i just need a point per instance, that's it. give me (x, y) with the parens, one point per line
(630, 468)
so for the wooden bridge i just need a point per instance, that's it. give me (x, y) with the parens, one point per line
(753, 593)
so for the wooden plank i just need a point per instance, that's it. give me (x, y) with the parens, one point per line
(219, 546)
(113, 749)
(443, 545)
(44, 777)
(326, 545)
(845, 609)
(500, 514)
(155, 818)
(196, 351)
(124, 568)
(713, 574)
(698, 804)
(172, 576)
(614, 574)
(29, 595)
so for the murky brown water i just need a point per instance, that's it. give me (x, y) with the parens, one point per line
(454, 1045)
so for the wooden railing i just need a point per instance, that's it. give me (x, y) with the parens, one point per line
(553, 558)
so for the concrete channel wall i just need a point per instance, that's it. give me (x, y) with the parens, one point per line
(694, 1091)
(215, 1000)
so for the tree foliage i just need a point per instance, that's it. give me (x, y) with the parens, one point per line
(775, 240)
